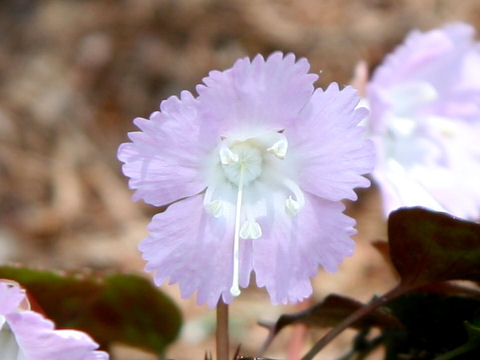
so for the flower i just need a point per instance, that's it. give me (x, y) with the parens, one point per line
(27, 335)
(254, 170)
(425, 122)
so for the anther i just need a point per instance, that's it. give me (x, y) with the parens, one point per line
(215, 208)
(292, 206)
(279, 149)
(227, 156)
(250, 230)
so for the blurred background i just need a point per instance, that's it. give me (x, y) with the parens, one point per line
(73, 75)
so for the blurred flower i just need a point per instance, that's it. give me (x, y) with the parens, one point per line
(256, 168)
(27, 335)
(425, 122)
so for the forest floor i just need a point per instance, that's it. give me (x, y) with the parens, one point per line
(73, 75)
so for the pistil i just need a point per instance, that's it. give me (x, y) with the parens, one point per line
(235, 289)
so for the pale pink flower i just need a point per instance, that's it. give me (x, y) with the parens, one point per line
(254, 170)
(425, 122)
(27, 335)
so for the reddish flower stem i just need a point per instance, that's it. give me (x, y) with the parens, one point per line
(222, 331)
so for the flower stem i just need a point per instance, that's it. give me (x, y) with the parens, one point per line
(222, 331)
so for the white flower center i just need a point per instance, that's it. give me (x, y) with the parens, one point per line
(415, 137)
(408, 97)
(244, 157)
(239, 163)
(9, 349)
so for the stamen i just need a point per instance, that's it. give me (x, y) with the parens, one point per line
(235, 289)
(227, 156)
(293, 206)
(250, 230)
(279, 149)
(448, 128)
(215, 207)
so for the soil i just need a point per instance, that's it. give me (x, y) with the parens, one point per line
(73, 75)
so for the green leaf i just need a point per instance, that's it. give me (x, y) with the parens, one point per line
(427, 246)
(435, 326)
(473, 331)
(122, 308)
(433, 322)
(467, 351)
